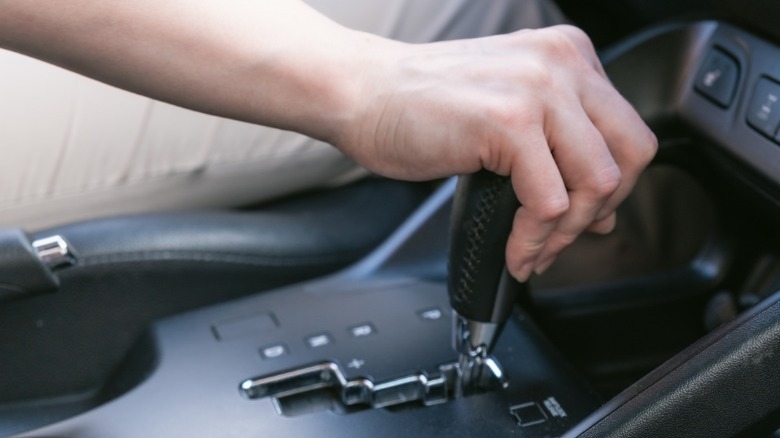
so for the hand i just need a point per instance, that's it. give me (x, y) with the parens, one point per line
(535, 104)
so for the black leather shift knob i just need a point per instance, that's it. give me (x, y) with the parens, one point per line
(483, 210)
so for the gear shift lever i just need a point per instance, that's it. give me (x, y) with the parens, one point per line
(481, 293)
(481, 290)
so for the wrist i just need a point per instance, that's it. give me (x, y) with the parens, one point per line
(358, 69)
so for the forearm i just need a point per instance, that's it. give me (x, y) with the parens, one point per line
(277, 63)
(534, 105)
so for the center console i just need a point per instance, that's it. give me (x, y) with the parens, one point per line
(368, 351)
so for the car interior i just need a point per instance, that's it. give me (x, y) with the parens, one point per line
(327, 313)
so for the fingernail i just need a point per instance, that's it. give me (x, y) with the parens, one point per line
(543, 265)
(524, 272)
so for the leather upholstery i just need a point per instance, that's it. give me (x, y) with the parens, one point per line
(135, 269)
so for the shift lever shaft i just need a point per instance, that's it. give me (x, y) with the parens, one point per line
(482, 292)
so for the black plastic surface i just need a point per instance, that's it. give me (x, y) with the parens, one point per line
(21, 272)
(724, 385)
(133, 270)
(665, 60)
(195, 386)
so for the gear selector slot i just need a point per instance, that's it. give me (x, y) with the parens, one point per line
(427, 388)
(325, 386)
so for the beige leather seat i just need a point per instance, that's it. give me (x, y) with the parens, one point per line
(73, 148)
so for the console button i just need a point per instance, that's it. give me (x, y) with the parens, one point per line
(527, 414)
(430, 314)
(245, 326)
(319, 340)
(718, 77)
(365, 329)
(764, 108)
(273, 351)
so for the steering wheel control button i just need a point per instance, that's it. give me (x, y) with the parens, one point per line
(244, 326)
(528, 414)
(273, 351)
(764, 107)
(718, 77)
(319, 340)
(362, 330)
(431, 314)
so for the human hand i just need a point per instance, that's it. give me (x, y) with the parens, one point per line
(535, 105)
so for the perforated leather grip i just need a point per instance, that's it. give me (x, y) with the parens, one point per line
(482, 215)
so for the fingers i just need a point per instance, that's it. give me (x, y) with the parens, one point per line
(536, 105)
(588, 171)
(538, 184)
(600, 146)
(604, 226)
(630, 141)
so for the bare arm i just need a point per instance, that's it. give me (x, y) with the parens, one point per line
(535, 105)
(271, 62)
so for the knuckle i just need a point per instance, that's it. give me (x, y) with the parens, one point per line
(559, 44)
(552, 208)
(606, 182)
(572, 45)
(574, 32)
(644, 151)
(578, 36)
(518, 37)
(538, 75)
(652, 147)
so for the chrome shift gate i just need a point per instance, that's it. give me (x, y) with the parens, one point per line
(428, 388)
